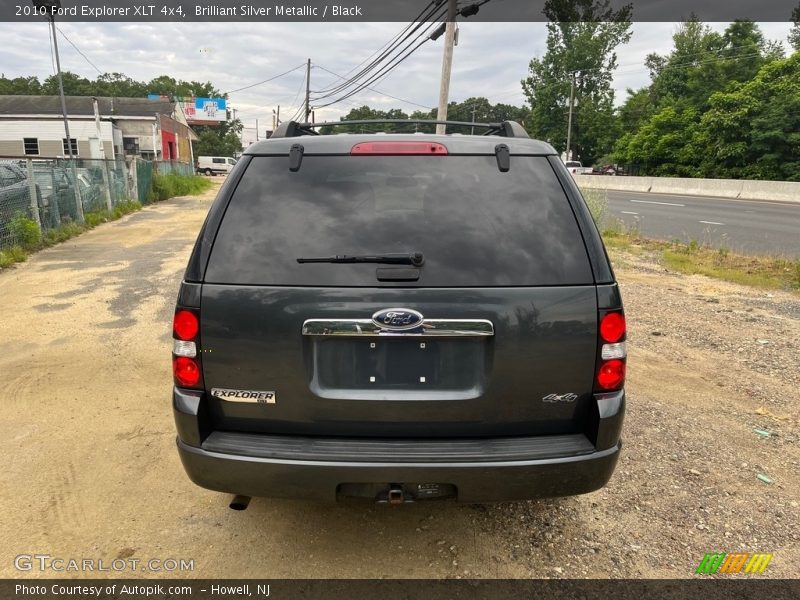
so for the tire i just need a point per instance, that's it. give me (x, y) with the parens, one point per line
(209, 172)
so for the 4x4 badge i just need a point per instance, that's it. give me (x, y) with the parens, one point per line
(568, 397)
(397, 319)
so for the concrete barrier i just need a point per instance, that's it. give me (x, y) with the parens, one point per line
(601, 182)
(786, 191)
(745, 189)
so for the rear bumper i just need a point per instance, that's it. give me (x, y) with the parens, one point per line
(481, 470)
(474, 482)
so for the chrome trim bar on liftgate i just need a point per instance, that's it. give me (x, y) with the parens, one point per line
(428, 328)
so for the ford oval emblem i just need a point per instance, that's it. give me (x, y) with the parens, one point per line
(397, 319)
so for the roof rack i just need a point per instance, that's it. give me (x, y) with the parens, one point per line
(295, 129)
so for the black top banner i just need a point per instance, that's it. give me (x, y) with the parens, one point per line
(377, 10)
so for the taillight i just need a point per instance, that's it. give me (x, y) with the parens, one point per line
(611, 375)
(185, 325)
(186, 365)
(612, 327)
(612, 352)
(186, 371)
(398, 148)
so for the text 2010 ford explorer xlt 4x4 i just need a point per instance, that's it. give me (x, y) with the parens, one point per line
(399, 317)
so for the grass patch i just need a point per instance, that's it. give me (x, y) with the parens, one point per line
(597, 201)
(693, 258)
(170, 185)
(12, 255)
(28, 239)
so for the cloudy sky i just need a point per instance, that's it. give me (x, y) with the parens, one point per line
(489, 61)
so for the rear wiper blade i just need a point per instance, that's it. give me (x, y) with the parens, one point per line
(403, 258)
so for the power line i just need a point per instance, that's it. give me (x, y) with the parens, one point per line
(406, 28)
(379, 76)
(252, 85)
(78, 50)
(391, 54)
(433, 12)
(376, 90)
(387, 49)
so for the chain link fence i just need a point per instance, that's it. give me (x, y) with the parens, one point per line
(37, 196)
(163, 167)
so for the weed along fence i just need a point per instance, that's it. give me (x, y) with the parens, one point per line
(40, 196)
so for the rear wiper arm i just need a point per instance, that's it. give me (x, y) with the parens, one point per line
(403, 258)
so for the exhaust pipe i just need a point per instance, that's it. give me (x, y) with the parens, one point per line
(239, 502)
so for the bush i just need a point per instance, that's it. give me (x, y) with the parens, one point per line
(93, 219)
(170, 185)
(25, 231)
(12, 255)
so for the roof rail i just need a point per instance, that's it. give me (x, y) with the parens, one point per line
(295, 129)
(292, 129)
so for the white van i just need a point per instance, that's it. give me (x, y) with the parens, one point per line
(214, 165)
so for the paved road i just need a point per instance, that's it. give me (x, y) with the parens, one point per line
(747, 226)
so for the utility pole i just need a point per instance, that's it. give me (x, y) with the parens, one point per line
(472, 132)
(78, 200)
(256, 129)
(104, 170)
(308, 88)
(569, 121)
(447, 65)
(278, 116)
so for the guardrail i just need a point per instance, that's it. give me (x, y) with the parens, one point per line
(744, 189)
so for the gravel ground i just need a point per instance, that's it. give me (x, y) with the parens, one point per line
(710, 363)
(91, 469)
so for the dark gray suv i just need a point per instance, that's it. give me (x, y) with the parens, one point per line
(401, 317)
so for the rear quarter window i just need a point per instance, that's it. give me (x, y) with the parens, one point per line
(476, 226)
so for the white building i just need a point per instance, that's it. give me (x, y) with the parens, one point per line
(33, 126)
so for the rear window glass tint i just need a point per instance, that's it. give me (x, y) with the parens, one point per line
(475, 226)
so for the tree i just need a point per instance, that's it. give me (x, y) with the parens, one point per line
(24, 86)
(219, 140)
(365, 113)
(74, 85)
(659, 146)
(481, 108)
(164, 85)
(753, 130)
(694, 120)
(638, 107)
(794, 32)
(582, 37)
(117, 85)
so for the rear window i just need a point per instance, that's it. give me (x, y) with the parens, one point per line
(475, 226)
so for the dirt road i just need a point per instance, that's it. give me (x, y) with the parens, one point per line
(91, 471)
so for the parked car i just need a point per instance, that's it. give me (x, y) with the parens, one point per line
(58, 196)
(576, 168)
(214, 165)
(607, 170)
(399, 317)
(15, 194)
